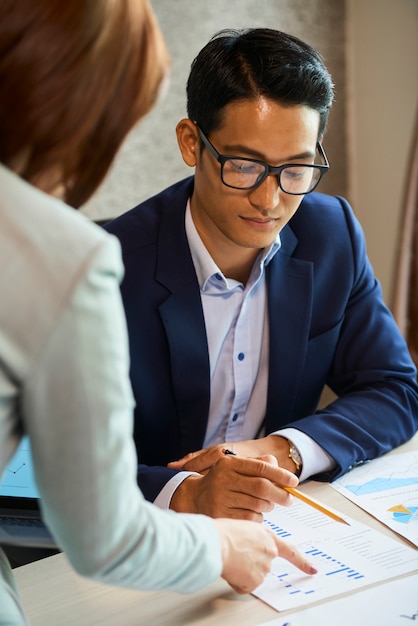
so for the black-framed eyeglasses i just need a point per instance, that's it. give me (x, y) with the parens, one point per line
(296, 179)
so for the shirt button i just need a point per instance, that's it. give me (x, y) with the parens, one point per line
(235, 417)
(241, 356)
(218, 276)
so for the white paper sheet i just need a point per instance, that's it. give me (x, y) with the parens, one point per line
(348, 558)
(390, 604)
(387, 488)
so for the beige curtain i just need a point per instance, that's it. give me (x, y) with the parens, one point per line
(405, 304)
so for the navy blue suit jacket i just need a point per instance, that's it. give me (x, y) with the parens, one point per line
(328, 325)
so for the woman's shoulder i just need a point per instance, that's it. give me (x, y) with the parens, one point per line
(42, 229)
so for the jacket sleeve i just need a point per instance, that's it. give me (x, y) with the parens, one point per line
(151, 479)
(77, 407)
(372, 374)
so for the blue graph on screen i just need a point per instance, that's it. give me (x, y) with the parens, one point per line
(18, 478)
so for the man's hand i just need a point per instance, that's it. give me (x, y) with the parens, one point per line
(233, 487)
(202, 460)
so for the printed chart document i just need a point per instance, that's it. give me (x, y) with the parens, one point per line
(390, 604)
(348, 558)
(387, 488)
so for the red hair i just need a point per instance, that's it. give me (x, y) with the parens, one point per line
(74, 78)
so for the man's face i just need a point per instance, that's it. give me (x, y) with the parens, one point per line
(236, 222)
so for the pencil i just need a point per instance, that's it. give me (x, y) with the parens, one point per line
(307, 499)
(315, 504)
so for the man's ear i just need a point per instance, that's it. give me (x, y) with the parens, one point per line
(188, 140)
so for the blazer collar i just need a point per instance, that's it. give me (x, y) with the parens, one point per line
(182, 316)
(174, 262)
(290, 297)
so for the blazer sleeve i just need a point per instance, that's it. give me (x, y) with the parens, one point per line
(152, 478)
(77, 406)
(371, 372)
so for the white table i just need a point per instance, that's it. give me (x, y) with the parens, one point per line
(53, 595)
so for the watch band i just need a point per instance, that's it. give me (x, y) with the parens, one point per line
(295, 456)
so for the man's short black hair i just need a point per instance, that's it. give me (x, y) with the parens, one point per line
(251, 63)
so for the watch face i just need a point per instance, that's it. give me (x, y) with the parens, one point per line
(295, 455)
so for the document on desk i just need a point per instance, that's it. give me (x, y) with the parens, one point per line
(390, 604)
(348, 558)
(387, 488)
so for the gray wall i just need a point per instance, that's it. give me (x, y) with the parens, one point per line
(150, 161)
(382, 63)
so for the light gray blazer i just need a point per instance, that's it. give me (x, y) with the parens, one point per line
(64, 381)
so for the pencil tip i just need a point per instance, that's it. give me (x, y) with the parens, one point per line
(345, 521)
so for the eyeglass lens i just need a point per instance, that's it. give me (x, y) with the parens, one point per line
(293, 179)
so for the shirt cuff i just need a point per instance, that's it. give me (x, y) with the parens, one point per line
(314, 458)
(164, 497)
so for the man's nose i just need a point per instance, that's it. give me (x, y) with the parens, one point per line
(266, 196)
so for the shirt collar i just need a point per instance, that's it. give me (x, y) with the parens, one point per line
(206, 267)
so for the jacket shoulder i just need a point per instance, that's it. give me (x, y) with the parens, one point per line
(326, 218)
(139, 226)
(324, 230)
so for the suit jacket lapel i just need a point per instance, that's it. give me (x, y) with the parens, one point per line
(290, 284)
(182, 316)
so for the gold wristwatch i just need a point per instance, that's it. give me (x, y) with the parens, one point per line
(294, 454)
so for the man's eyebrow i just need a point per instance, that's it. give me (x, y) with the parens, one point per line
(238, 149)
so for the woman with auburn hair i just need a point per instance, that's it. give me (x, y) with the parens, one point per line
(74, 78)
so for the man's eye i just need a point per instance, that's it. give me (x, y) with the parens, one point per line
(245, 167)
(293, 173)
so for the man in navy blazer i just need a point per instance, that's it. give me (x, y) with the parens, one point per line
(246, 293)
